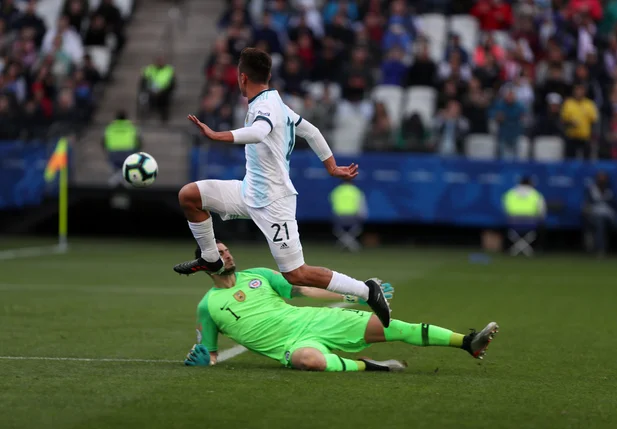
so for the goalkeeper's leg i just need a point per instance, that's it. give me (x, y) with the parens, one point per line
(312, 359)
(423, 334)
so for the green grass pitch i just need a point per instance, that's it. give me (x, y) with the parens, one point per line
(553, 364)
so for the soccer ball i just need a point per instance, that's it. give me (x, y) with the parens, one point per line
(140, 169)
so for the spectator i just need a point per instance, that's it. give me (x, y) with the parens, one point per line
(9, 129)
(610, 58)
(374, 21)
(508, 113)
(488, 46)
(306, 51)
(608, 24)
(490, 73)
(91, 74)
(339, 30)
(454, 68)
(293, 78)
(77, 12)
(379, 136)
(71, 41)
(554, 84)
(451, 129)
(579, 115)
(548, 123)
(393, 69)
(397, 36)
(267, 32)
(97, 32)
(600, 211)
(454, 46)
(476, 106)
(493, 14)
(157, 83)
(357, 78)
(238, 35)
(340, 7)
(423, 71)
(280, 15)
(413, 135)
(115, 22)
(30, 20)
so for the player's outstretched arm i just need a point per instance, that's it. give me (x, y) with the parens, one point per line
(248, 135)
(318, 144)
(322, 294)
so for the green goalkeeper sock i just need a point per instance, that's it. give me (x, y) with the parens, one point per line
(422, 334)
(337, 363)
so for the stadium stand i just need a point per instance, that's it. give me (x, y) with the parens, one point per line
(55, 57)
(414, 57)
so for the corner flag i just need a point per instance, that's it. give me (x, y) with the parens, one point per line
(58, 160)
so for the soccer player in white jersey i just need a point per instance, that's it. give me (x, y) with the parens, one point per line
(266, 195)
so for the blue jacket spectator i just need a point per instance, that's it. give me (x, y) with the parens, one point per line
(334, 6)
(397, 36)
(509, 115)
(393, 70)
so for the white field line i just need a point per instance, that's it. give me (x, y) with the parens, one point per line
(223, 356)
(30, 252)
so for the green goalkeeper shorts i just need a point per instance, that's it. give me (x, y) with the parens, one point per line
(331, 329)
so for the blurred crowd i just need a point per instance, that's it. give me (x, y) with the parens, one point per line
(533, 68)
(48, 81)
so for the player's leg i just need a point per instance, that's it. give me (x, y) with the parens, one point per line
(197, 199)
(423, 334)
(278, 223)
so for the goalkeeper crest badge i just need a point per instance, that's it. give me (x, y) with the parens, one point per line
(239, 296)
(255, 283)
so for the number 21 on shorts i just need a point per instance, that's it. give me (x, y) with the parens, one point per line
(281, 232)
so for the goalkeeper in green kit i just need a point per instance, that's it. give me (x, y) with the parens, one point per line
(248, 307)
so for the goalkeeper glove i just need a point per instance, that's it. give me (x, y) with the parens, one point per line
(198, 356)
(388, 292)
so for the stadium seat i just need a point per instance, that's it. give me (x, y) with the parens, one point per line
(317, 89)
(392, 97)
(433, 26)
(348, 134)
(523, 148)
(125, 6)
(49, 11)
(101, 57)
(466, 26)
(548, 149)
(421, 99)
(480, 146)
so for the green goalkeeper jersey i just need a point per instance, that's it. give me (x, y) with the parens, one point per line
(252, 313)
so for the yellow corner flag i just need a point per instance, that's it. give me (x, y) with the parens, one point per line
(58, 160)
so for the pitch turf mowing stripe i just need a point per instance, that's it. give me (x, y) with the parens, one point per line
(222, 357)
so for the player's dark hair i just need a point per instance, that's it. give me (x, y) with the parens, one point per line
(256, 65)
(526, 180)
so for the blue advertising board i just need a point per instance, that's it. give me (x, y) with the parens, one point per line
(22, 167)
(422, 188)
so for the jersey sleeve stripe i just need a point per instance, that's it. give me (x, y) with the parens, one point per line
(298, 121)
(263, 118)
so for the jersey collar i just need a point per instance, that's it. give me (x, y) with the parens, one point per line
(265, 90)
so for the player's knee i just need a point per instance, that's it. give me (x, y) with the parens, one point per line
(308, 360)
(189, 196)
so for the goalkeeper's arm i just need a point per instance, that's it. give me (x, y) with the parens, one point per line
(326, 295)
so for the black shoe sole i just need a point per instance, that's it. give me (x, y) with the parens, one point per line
(378, 303)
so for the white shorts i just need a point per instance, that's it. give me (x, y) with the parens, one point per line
(276, 221)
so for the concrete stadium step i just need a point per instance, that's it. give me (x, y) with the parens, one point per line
(186, 41)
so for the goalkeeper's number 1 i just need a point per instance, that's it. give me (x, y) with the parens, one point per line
(232, 313)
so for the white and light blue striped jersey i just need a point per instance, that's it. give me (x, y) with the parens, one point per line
(267, 163)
